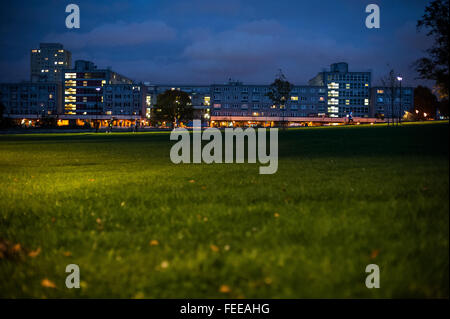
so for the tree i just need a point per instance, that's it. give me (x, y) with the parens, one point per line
(390, 84)
(173, 106)
(425, 102)
(279, 92)
(435, 67)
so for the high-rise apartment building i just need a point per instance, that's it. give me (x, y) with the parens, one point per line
(347, 92)
(84, 88)
(48, 61)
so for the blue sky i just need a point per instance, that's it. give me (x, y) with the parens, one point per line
(207, 41)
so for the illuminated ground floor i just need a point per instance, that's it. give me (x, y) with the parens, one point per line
(101, 121)
(231, 121)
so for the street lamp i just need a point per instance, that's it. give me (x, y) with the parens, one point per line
(400, 79)
(97, 109)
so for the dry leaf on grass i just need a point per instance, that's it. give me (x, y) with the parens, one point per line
(214, 248)
(47, 283)
(154, 242)
(224, 289)
(34, 253)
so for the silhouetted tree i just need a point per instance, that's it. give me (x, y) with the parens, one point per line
(173, 106)
(424, 102)
(390, 85)
(280, 92)
(436, 66)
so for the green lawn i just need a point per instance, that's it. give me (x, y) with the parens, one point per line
(343, 198)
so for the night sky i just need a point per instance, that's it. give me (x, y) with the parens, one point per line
(206, 41)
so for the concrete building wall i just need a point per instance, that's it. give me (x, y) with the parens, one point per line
(40, 99)
(382, 97)
(84, 88)
(48, 61)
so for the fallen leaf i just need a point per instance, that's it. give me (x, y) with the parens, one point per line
(214, 248)
(164, 264)
(224, 289)
(16, 248)
(47, 283)
(98, 220)
(374, 253)
(191, 181)
(67, 253)
(34, 253)
(227, 247)
(122, 204)
(154, 242)
(91, 179)
(276, 215)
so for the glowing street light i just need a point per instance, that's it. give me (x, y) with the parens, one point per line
(400, 79)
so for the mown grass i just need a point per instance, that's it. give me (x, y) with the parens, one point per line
(342, 198)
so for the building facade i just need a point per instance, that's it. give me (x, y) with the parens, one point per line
(88, 93)
(391, 102)
(48, 61)
(84, 88)
(31, 98)
(238, 99)
(347, 92)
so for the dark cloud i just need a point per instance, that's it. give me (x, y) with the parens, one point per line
(205, 41)
(116, 34)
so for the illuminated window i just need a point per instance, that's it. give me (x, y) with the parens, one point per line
(70, 91)
(70, 83)
(70, 75)
(333, 85)
(294, 98)
(207, 100)
(333, 101)
(380, 91)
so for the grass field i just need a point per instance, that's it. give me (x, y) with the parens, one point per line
(141, 227)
